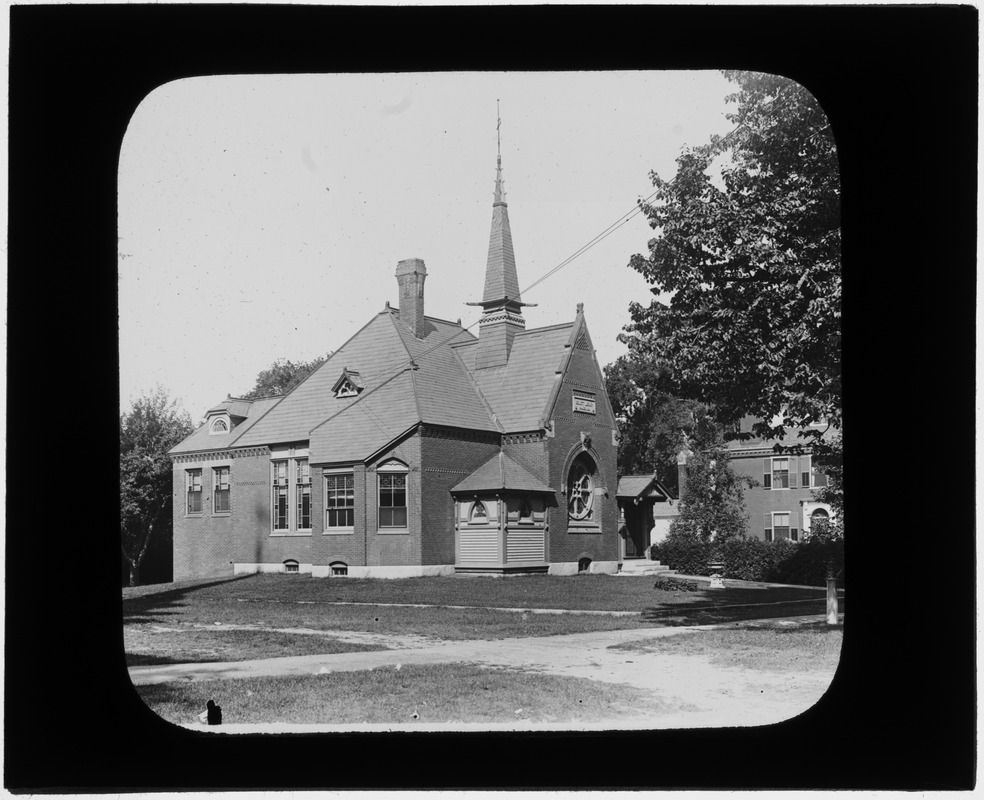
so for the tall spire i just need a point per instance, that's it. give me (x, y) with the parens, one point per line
(501, 281)
(501, 303)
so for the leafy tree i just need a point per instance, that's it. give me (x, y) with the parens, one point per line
(712, 506)
(148, 430)
(748, 245)
(281, 377)
(655, 425)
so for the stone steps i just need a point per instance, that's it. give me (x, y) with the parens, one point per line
(643, 566)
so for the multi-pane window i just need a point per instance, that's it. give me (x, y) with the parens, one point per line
(193, 484)
(281, 517)
(220, 490)
(302, 483)
(339, 501)
(392, 500)
(780, 473)
(779, 525)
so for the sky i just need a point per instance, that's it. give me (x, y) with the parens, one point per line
(262, 217)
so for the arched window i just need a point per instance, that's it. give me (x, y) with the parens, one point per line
(338, 568)
(478, 512)
(580, 488)
(219, 426)
(290, 565)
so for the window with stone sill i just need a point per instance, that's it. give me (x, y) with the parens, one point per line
(339, 503)
(392, 492)
(193, 489)
(221, 494)
(290, 477)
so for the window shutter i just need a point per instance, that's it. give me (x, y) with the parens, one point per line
(768, 527)
(805, 465)
(793, 473)
(819, 478)
(767, 478)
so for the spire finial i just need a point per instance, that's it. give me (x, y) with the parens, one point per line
(498, 138)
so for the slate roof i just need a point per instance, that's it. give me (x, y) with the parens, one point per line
(501, 472)
(202, 440)
(519, 391)
(500, 272)
(235, 406)
(365, 427)
(438, 390)
(640, 486)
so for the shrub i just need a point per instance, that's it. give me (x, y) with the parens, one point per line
(685, 553)
(802, 563)
(676, 585)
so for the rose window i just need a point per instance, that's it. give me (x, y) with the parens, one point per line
(580, 491)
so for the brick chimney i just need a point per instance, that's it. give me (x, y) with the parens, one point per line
(410, 274)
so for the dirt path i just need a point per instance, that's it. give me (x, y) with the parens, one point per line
(714, 695)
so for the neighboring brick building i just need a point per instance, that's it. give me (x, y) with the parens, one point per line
(415, 449)
(782, 504)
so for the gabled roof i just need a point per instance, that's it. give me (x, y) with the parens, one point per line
(348, 376)
(375, 352)
(444, 391)
(202, 440)
(498, 473)
(519, 392)
(642, 486)
(361, 429)
(757, 446)
(437, 390)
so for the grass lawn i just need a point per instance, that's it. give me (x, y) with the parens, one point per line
(147, 644)
(191, 610)
(802, 649)
(412, 694)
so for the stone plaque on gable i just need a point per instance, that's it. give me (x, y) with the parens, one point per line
(584, 402)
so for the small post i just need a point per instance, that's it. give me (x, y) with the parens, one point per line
(831, 601)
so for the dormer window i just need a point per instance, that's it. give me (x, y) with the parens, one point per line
(349, 384)
(347, 389)
(219, 425)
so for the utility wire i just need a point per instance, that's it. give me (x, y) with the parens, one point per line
(717, 146)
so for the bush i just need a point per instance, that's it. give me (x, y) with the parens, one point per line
(685, 553)
(753, 559)
(676, 585)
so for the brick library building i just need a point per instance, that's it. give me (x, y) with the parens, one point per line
(417, 448)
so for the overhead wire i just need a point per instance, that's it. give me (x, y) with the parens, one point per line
(716, 146)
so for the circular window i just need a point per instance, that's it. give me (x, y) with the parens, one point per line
(580, 491)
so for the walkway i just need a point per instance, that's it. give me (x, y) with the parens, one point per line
(712, 694)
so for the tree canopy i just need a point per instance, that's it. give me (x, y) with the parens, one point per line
(655, 424)
(748, 246)
(282, 376)
(152, 426)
